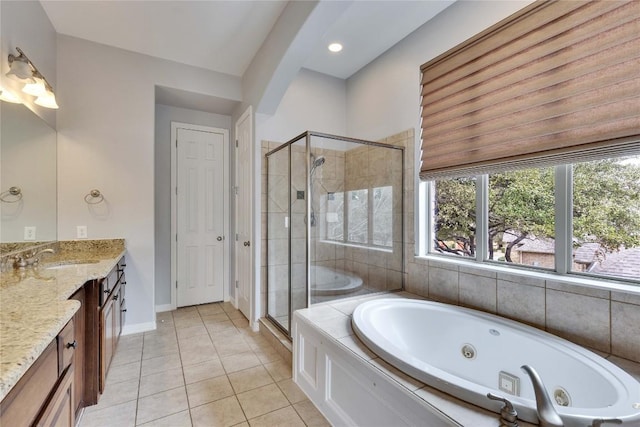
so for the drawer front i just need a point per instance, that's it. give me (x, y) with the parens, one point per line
(67, 345)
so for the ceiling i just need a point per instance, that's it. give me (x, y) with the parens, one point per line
(224, 36)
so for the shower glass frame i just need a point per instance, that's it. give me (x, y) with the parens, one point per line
(306, 137)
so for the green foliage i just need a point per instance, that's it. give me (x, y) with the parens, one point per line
(606, 207)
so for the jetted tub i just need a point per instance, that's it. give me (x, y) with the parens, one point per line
(468, 354)
(326, 281)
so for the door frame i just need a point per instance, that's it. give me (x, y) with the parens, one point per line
(174, 206)
(254, 290)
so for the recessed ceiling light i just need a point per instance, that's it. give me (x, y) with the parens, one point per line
(335, 47)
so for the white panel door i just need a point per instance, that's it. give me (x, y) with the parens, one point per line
(244, 263)
(200, 220)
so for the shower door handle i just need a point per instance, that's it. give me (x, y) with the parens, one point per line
(247, 243)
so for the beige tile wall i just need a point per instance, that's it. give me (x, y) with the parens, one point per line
(605, 321)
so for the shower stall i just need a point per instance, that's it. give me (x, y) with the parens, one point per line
(334, 222)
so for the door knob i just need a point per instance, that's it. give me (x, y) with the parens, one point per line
(247, 243)
(73, 344)
(219, 238)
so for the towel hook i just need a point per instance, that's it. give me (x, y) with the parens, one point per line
(94, 197)
(12, 191)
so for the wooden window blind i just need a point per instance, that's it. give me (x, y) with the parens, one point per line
(558, 82)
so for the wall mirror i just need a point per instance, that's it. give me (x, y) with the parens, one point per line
(28, 192)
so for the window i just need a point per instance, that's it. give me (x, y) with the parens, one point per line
(521, 217)
(606, 217)
(368, 214)
(358, 216)
(600, 200)
(454, 216)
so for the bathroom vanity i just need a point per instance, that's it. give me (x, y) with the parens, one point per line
(60, 323)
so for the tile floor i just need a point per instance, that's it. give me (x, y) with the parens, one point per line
(203, 366)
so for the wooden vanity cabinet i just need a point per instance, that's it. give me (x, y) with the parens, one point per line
(44, 396)
(112, 314)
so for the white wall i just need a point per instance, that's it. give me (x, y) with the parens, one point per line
(384, 97)
(25, 24)
(313, 101)
(106, 141)
(164, 115)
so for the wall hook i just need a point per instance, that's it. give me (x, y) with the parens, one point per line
(94, 197)
(16, 192)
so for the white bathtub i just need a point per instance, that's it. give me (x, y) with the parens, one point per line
(326, 281)
(463, 352)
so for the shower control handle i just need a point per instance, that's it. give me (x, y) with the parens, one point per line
(247, 243)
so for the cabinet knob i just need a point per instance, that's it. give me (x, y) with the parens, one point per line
(124, 310)
(115, 297)
(73, 344)
(247, 243)
(106, 291)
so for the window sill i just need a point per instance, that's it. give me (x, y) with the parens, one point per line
(574, 279)
(355, 245)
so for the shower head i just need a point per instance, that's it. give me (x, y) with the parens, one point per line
(318, 161)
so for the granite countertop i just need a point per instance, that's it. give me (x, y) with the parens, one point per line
(34, 304)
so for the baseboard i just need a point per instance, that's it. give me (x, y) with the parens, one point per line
(138, 327)
(163, 307)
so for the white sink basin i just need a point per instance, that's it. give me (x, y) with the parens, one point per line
(72, 264)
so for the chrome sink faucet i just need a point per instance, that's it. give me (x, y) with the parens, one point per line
(547, 414)
(32, 258)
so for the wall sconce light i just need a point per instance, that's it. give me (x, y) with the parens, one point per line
(24, 71)
(8, 96)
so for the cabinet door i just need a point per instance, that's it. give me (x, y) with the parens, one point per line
(117, 317)
(106, 340)
(79, 356)
(60, 412)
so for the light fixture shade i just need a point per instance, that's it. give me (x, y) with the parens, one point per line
(8, 96)
(48, 100)
(21, 70)
(35, 89)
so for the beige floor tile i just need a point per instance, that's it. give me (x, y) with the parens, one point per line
(209, 309)
(116, 394)
(160, 364)
(285, 417)
(209, 391)
(217, 327)
(181, 419)
(157, 350)
(310, 414)
(187, 322)
(262, 400)
(249, 379)
(224, 333)
(239, 362)
(242, 424)
(215, 318)
(160, 405)
(291, 390)
(122, 373)
(203, 371)
(235, 314)
(161, 381)
(224, 412)
(191, 331)
(279, 370)
(268, 355)
(123, 356)
(240, 322)
(130, 342)
(197, 350)
(122, 415)
(232, 345)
